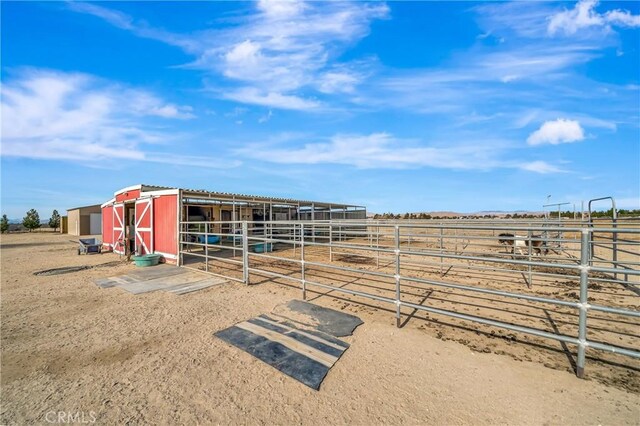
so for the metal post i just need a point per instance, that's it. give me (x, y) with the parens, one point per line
(302, 275)
(529, 236)
(269, 242)
(245, 252)
(295, 238)
(330, 240)
(397, 276)
(182, 226)
(377, 247)
(313, 220)
(455, 237)
(615, 238)
(441, 258)
(206, 247)
(582, 321)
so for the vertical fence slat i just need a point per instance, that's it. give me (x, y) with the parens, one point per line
(529, 247)
(397, 276)
(245, 253)
(302, 267)
(582, 320)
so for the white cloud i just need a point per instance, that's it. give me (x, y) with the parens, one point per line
(265, 117)
(172, 111)
(384, 151)
(557, 132)
(191, 160)
(541, 167)
(251, 95)
(78, 117)
(288, 47)
(509, 78)
(376, 150)
(274, 54)
(508, 19)
(281, 8)
(338, 81)
(126, 22)
(623, 18)
(236, 112)
(490, 79)
(144, 103)
(584, 15)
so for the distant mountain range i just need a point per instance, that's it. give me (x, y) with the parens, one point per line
(482, 213)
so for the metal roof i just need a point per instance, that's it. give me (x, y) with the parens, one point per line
(198, 193)
(84, 207)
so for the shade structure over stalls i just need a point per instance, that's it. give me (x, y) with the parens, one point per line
(145, 219)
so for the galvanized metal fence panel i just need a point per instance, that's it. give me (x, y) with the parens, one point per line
(398, 252)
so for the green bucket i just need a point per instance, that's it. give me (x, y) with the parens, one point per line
(147, 260)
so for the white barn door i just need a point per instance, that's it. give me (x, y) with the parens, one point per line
(119, 242)
(144, 226)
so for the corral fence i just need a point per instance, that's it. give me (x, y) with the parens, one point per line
(486, 257)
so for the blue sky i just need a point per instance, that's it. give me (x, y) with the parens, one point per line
(399, 106)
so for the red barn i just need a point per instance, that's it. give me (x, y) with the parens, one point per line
(148, 219)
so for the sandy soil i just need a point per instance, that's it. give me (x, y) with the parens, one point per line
(70, 346)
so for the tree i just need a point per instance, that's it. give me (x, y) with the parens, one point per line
(54, 222)
(32, 220)
(4, 224)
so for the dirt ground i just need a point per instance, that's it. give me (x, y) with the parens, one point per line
(68, 346)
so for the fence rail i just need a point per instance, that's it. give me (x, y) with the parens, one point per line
(405, 253)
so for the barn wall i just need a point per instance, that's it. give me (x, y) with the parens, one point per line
(64, 225)
(165, 218)
(74, 221)
(85, 223)
(128, 195)
(107, 225)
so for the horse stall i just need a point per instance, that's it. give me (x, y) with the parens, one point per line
(145, 219)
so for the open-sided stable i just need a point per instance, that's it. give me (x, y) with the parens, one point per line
(146, 219)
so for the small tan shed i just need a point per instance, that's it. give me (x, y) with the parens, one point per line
(85, 220)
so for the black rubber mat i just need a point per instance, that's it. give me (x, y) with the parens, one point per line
(328, 320)
(305, 355)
